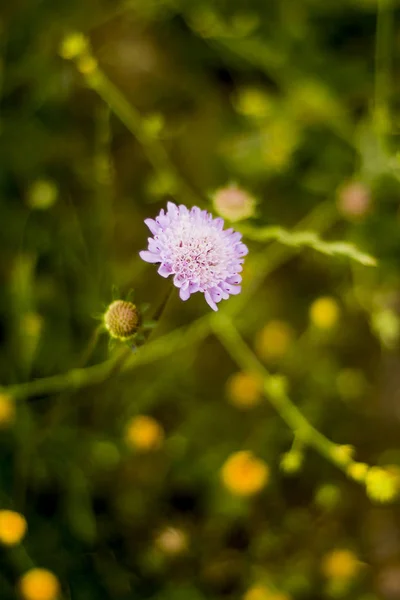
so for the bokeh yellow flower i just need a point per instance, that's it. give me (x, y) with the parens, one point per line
(382, 484)
(73, 45)
(324, 312)
(273, 340)
(39, 584)
(243, 474)
(254, 102)
(144, 433)
(291, 461)
(357, 471)
(87, 64)
(261, 592)
(42, 194)
(7, 410)
(341, 564)
(343, 453)
(13, 527)
(328, 496)
(244, 390)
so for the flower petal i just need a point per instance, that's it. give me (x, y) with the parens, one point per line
(242, 249)
(165, 270)
(149, 257)
(234, 279)
(210, 301)
(184, 293)
(172, 209)
(154, 246)
(153, 226)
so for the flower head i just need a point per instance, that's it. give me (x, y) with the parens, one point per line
(122, 319)
(193, 247)
(39, 584)
(340, 564)
(243, 474)
(244, 390)
(144, 433)
(7, 410)
(12, 527)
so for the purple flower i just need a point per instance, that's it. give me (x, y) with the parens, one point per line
(193, 247)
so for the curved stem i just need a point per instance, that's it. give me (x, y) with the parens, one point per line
(131, 117)
(383, 66)
(84, 377)
(274, 388)
(91, 345)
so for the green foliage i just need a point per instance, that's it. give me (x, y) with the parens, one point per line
(109, 110)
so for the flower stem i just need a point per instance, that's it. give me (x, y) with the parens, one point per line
(274, 388)
(383, 66)
(91, 345)
(80, 378)
(131, 117)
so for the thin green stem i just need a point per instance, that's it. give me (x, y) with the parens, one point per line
(91, 345)
(80, 378)
(383, 66)
(275, 390)
(131, 117)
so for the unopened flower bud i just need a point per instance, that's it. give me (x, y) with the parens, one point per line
(234, 203)
(122, 320)
(291, 462)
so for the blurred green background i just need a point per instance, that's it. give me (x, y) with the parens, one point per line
(108, 110)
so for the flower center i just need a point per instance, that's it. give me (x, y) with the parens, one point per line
(199, 256)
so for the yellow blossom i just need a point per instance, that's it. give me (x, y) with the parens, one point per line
(39, 584)
(291, 461)
(12, 527)
(244, 390)
(73, 45)
(340, 564)
(243, 474)
(382, 485)
(261, 592)
(87, 64)
(7, 410)
(324, 312)
(144, 433)
(273, 341)
(253, 102)
(357, 471)
(328, 496)
(42, 194)
(342, 453)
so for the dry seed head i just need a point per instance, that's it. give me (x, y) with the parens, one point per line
(122, 320)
